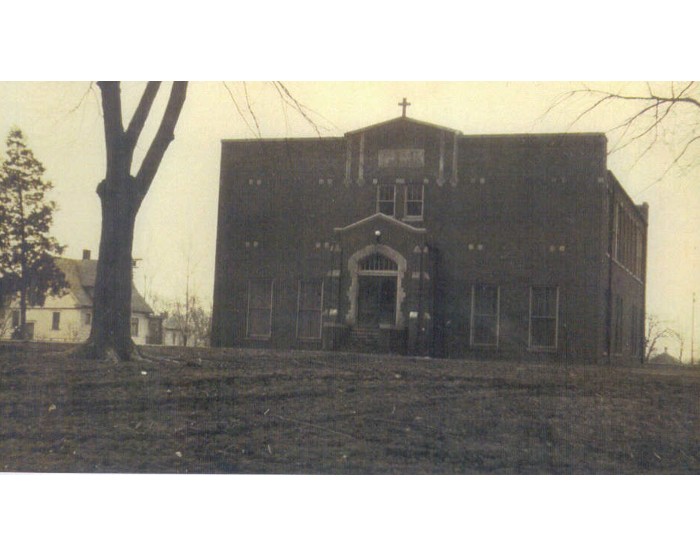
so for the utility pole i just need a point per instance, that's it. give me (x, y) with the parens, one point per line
(692, 333)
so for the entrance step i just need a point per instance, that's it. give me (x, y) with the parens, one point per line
(366, 339)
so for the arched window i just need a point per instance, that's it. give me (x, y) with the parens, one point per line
(377, 262)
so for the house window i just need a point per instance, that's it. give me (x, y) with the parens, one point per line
(386, 200)
(414, 201)
(484, 316)
(15, 319)
(134, 326)
(259, 308)
(310, 304)
(56, 320)
(88, 319)
(544, 315)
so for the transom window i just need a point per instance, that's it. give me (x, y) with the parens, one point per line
(310, 305)
(414, 201)
(544, 315)
(259, 308)
(484, 319)
(377, 262)
(386, 200)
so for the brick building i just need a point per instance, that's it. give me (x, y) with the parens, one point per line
(414, 238)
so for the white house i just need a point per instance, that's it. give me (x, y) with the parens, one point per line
(68, 318)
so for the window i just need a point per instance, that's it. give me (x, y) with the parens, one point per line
(56, 320)
(484, 317)
(259, 308)
(617, 328)
(310, 305)
(134, 326)
(88, 319)
(377, 263)
(544, 314)
(414, 201)
(15, 319)
(386, 199)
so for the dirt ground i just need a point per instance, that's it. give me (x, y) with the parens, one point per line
(247, 411)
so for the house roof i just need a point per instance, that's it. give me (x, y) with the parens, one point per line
(664, 358)
(403, 120)
(81, 276)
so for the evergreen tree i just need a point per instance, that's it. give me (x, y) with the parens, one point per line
(27, 251)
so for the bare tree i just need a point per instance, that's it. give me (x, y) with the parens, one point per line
(121, 195)
(655, 332)
(678, 338)
(656, 112)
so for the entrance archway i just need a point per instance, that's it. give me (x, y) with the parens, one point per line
(376, 290)
(376, 294)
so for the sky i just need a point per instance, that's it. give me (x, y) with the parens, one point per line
(177, 222)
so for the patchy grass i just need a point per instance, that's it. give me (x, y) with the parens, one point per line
(247, 411)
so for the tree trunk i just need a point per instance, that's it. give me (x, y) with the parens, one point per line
(121, 195)
(110, 335)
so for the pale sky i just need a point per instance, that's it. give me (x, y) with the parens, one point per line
(63, 126)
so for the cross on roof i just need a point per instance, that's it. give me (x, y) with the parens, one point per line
(404, 104)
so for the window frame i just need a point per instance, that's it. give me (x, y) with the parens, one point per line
(473, 316)
(319, 310)
(406, 201)
(544, 348)
(270, 309)
(392, 200)
(55, 321)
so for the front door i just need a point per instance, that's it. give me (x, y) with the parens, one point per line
(29, 331)
(376, 300)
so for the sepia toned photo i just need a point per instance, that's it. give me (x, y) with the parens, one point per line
(349, 278)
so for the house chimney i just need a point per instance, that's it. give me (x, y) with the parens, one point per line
(86, 254)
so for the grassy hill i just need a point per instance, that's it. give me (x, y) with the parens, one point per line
(246, 411)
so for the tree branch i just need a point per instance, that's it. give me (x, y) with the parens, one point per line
(163, 138)
(141, 114)
(114, 129)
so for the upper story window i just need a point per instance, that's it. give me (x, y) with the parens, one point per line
(386, 200)
(414, 201)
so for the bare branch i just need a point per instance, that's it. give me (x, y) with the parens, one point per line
(141, 114)
(298, 106)
(240, 112)
(164, 136)
(250, 109)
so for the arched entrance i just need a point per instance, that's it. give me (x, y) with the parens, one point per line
(377, 291)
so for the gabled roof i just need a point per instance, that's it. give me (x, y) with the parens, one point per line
(380, 216)
(81, 275)
(403, 120)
